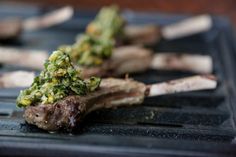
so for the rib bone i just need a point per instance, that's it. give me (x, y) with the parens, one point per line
(187, 27)
(21, 57)
(16, 79)
(193, 83)
(143, 34)
(11, 28)
(53, 18)
(184, 62)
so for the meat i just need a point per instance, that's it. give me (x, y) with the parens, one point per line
(187, 27)
(142, 35)
(124, 60)
(68, 112)
(134, 59)
(182, 62)
(10, 29)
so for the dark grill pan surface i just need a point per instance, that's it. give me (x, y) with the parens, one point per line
(187, 124)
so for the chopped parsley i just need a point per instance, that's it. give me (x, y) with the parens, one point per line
(108, 24)
(58, 80)
(89, 51)
(96, 44)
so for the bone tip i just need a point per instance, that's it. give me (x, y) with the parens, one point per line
(212, 80)
(210, 77)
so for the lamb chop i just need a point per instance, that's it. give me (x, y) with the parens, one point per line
(12, 27)
(112, 93)
(59, 99)
(151, 34)
(110, 23)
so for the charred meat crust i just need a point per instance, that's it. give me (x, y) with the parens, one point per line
(62, 114)
(66, 113)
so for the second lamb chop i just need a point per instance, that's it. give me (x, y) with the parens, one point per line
(134, 59)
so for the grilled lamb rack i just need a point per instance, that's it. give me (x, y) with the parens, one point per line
(68, 112)
(12, 27)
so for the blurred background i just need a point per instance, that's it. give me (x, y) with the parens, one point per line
(219, 7)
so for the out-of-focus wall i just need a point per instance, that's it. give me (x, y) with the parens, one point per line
(223, 7)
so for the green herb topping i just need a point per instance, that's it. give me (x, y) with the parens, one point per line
(108, 23)
(89, 51)
(97, 43)
(58, 80)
